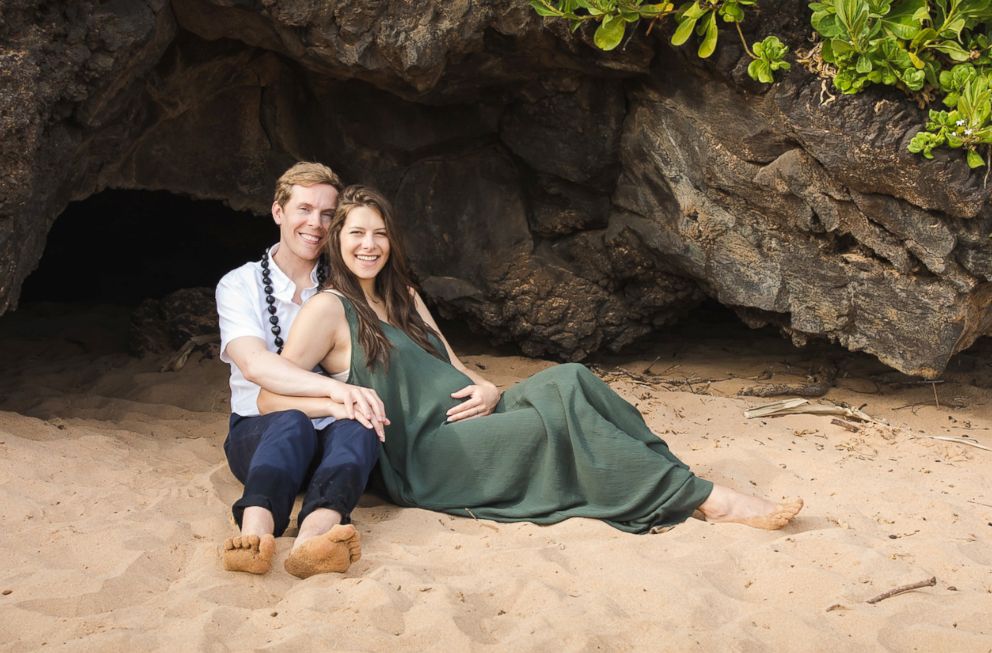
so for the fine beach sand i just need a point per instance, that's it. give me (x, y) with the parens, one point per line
(114, 501)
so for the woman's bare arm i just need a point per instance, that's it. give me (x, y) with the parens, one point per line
(311, 339)
(481, 397)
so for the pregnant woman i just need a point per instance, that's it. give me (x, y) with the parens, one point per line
(557, 445)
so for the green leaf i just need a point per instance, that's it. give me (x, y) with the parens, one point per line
(843, 81)
(708, 45)
(828, 26)
(954, 27)
(650, 11)
(913, 79)
(953, 50)
(683, 31)
(840, 47)
(542, 10)
(925, 36)
(864, 65)
(732, 13)
(760, 71)
(609, 33)
(694, 11)
(975, 159)
(900, 31)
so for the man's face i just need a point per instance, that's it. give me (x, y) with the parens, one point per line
(303, 221)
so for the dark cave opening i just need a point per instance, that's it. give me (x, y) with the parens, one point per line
(123, 246)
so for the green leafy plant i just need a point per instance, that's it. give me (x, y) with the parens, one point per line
(967, 125)
(613, 16)
(770, 54)
(924, 47)
(927, 48)
(696, 17)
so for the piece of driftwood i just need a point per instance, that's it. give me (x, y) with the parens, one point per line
(853, 428)
(779, 389)
(819, 384)
(967, 441)
(930, 582)
(178, 360)
(803, 406)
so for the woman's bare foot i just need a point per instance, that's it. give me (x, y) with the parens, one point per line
(334, 550)
(729, 506)
(251, 553)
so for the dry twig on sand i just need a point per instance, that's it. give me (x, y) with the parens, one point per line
(967, 441)
(930, 582)
(853, 428)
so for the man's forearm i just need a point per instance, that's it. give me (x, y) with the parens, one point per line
(313, 407)
(270, 371)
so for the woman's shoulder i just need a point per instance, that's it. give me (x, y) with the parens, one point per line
(328, 302)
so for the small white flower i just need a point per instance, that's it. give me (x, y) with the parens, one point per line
(967, 132)
(959, 123)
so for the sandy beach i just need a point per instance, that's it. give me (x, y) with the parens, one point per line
(115, 495)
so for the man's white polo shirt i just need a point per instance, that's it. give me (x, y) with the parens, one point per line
(242, 311)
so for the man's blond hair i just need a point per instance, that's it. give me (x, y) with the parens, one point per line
(305, 173)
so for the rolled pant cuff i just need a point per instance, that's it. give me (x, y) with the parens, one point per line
(341, 507)
(258, 501)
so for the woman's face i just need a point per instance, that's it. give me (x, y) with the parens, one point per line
(364, 242)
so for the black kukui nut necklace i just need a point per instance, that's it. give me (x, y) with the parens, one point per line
(271, 301)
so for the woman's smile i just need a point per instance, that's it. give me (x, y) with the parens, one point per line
(364, 243)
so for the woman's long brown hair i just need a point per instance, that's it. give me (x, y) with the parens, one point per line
(392, 283)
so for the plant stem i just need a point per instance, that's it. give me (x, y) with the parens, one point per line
(740, 33)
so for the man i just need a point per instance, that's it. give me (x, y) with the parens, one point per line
(279, 454)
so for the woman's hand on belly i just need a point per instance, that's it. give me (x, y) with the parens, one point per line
(480, 399)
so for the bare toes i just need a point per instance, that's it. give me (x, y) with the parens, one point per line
(252, 554)
(333, 551)
(779, 518)
(343, 533)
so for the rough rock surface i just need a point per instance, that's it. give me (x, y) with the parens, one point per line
(563, 198)
(166, 324)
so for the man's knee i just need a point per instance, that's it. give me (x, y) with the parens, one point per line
(351, 436)
(366, 437)
(291, 419)
(291, 423)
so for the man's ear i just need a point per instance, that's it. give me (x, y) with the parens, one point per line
(277, 212)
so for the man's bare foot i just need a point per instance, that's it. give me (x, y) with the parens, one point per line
(729, 506)
(334, 550)
(251, 553)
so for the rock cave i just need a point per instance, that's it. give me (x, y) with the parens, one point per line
(564, 199)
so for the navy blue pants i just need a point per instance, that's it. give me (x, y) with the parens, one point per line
(277, 455)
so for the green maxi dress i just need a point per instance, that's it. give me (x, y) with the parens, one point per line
(560, 444)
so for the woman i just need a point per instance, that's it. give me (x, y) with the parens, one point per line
(560, 444)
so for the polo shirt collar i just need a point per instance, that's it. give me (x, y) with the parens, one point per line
(282, 286)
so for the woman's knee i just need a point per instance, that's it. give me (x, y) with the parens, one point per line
(572, 371)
